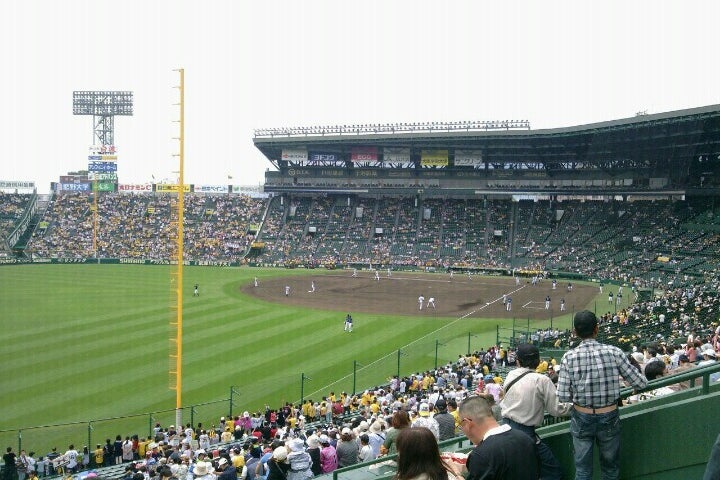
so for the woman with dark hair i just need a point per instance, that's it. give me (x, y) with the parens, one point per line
(400, 420)
(419, 456)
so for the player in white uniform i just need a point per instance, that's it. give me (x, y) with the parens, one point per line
(312, 287)
(287, 290)
(421, 300)
(348, 323)
(256, 281)
(431, 302)
(377, 275)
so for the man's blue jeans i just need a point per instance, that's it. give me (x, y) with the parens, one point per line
(550, 468)
(603, 429)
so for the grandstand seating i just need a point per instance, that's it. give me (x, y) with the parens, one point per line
(651, 244)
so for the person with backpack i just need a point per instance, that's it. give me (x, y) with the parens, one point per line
(528, 395)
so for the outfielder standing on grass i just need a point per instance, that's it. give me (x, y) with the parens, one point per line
(348, 323)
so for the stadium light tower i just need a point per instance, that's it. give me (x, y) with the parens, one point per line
(103, 106)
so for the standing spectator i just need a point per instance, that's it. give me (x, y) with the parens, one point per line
(400, 420)
(118, 450)
(589, 378)
(127, 450)
(328, 455)
(347, 448)
(98, 456)
(313, 450)
(71, 457)
(50, 457)
(85, 458)
(528, 395)
(500, 451)
(366, 453)
(446, 422)
(376, 436)
(299, 460)
(108, 453)
(22, 465)
(277, 465)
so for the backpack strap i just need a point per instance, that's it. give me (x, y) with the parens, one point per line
(507, 388)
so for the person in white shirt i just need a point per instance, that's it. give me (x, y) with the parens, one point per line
(431, 302)
(71, 457)
(528, 395)
(366, 452)
(421, 300)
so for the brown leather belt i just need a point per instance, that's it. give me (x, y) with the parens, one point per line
(593, 411)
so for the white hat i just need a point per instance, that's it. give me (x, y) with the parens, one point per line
(346, 431)
(710, 353)
(296, 445)
(222, 461)
(201, 468)
(280, 454)
(200, 451)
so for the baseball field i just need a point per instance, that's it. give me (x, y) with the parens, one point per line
(85, 349)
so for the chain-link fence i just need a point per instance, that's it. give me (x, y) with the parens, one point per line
(42, 439)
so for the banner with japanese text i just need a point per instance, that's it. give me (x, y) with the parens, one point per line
(434, 158)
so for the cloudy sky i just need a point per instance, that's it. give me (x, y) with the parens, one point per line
(274, 63)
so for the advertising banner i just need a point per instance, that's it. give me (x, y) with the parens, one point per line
(102, 176)
(323, 157)
(364, 154)
(434, 158)
(102, 167)
(468, 158)
(135, 187)
(396, 155)
(105, 187)
(171, 187)
(74, 187)
(102, 149)
(14, 184)
(294, 154)
(250, 190)
(211, 188)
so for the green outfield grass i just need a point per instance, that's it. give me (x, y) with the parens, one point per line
(83, 343)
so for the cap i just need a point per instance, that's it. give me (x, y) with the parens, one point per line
(527, 351)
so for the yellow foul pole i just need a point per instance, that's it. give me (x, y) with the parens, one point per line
(180, 238)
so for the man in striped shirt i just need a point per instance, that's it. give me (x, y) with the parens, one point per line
(590, 378)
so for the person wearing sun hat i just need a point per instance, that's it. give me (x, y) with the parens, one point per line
(201, 471)
(299, 460)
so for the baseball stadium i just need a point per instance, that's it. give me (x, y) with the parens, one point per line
(130, 308)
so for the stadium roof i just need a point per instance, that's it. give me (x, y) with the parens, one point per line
(643, 141)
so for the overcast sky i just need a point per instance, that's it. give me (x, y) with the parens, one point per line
(263, 63)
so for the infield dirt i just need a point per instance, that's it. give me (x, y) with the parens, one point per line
(478, 296)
